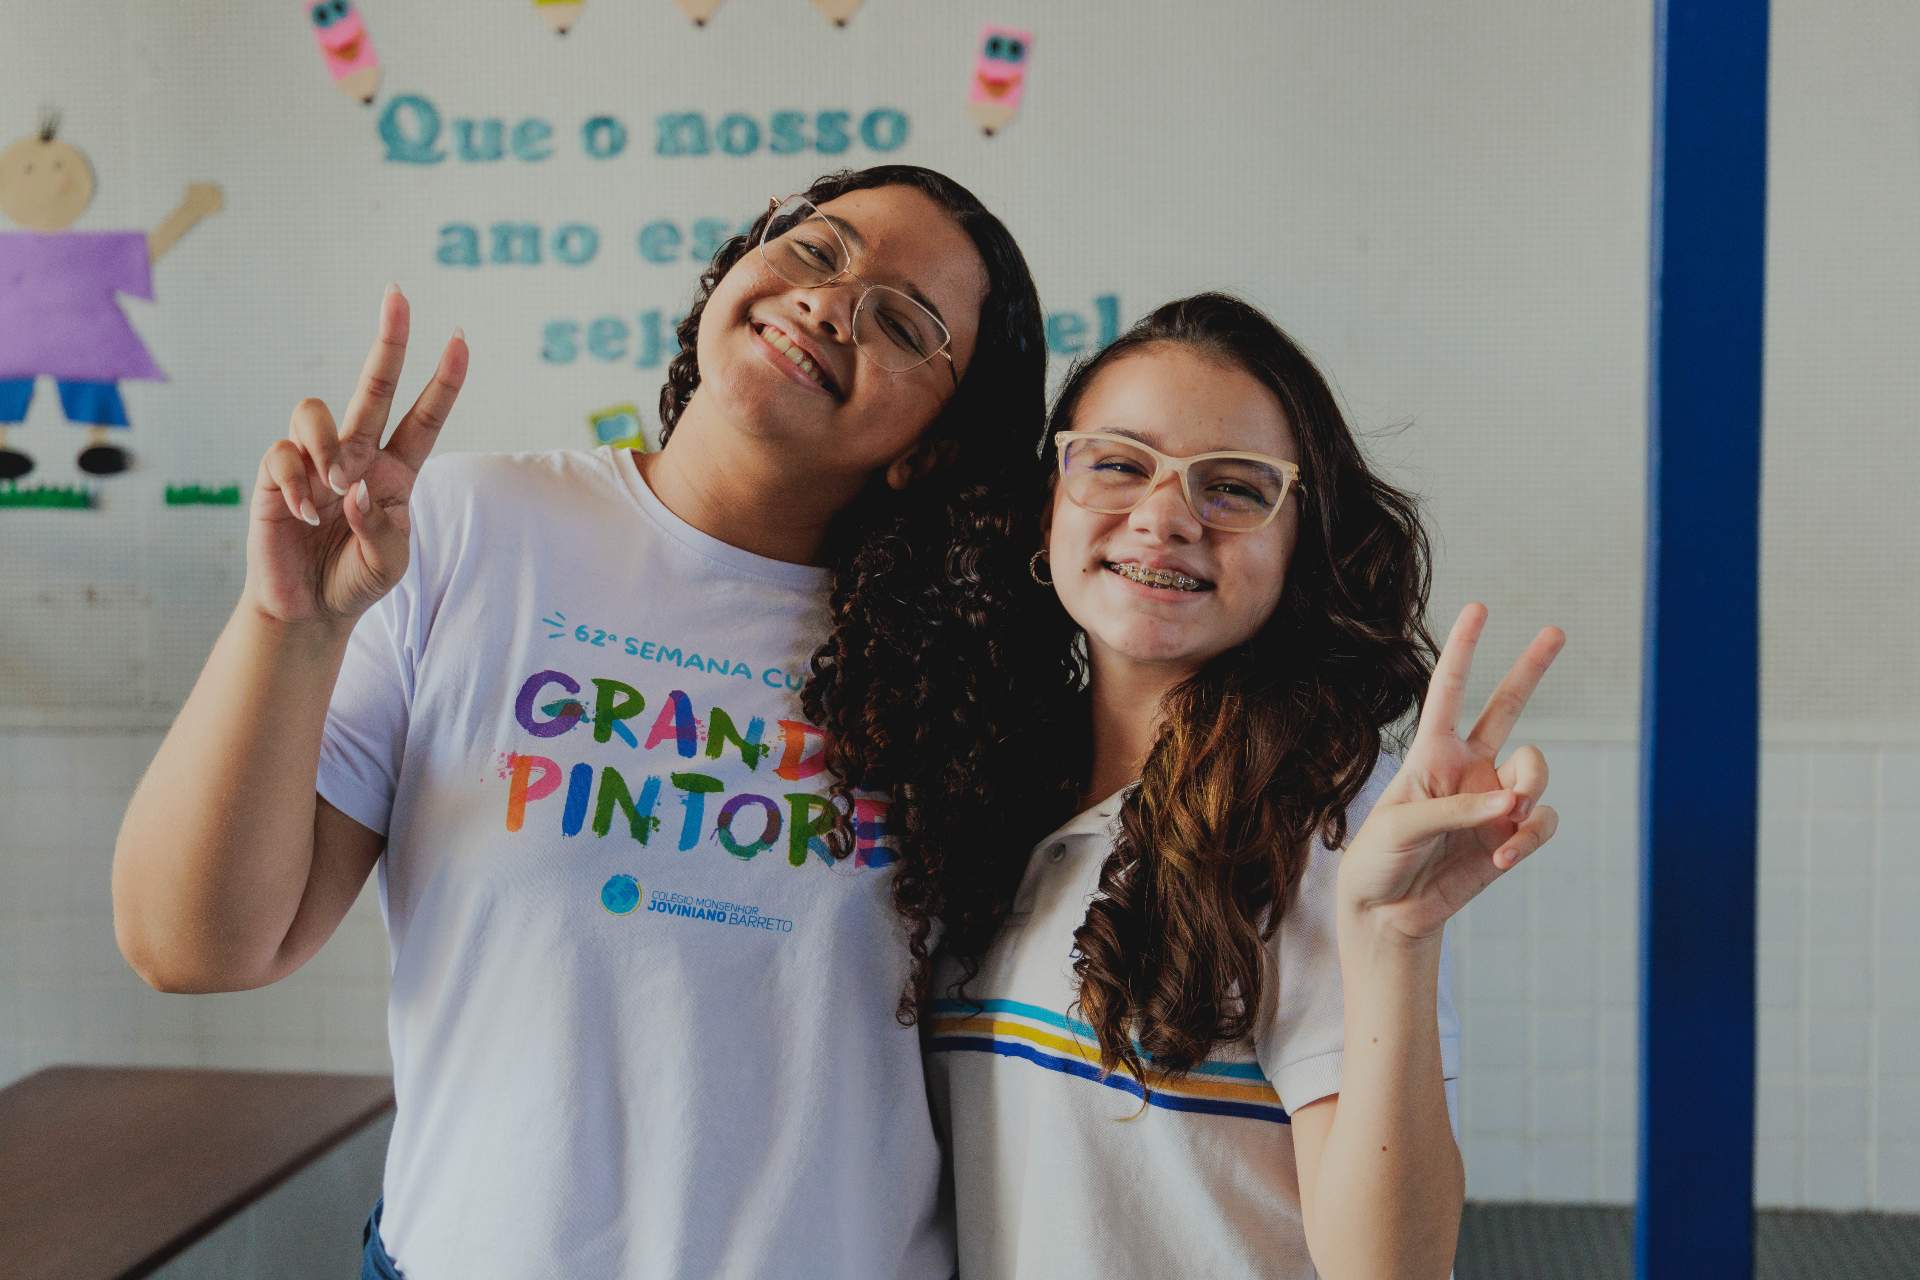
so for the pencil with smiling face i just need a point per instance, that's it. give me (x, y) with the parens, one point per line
(560, 14)
(345, 45)
(999, 77)
(698, 10)
(838, 11)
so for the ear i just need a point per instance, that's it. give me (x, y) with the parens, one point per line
(919, 461)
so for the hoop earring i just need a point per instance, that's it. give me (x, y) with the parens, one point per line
(1033, 568)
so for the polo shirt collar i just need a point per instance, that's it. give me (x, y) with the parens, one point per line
(1095, 820)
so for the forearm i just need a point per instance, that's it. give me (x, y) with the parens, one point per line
(168, 233)
(217, 843)
(1391, 1184)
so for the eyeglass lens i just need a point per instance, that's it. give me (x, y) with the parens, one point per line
(1111, 476)
(802, 248)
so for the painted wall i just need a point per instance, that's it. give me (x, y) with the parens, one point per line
(1449, 210)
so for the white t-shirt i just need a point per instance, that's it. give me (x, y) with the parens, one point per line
(641, 1024)
(1058, 1173)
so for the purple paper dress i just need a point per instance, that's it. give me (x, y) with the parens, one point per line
(59, 317)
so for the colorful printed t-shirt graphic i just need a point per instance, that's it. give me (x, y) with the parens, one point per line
(58, 316)
(642, 1024)
(1059, 1172)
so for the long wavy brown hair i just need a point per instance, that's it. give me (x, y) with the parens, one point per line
(1269, 742)
(916, 686)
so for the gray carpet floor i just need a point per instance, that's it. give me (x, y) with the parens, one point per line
(1585, 1242)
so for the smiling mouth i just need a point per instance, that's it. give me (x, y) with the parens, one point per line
(348, 51)
(1162, 579)
(779, 341)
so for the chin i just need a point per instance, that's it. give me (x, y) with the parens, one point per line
(759, 401)
(1156, 645)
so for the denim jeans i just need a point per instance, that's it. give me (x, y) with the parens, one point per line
(374, 1262)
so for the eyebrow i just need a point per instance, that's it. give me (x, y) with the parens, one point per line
(1135, 435)
(857, 241)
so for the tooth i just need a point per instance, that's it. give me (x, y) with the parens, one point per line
(1167, 578)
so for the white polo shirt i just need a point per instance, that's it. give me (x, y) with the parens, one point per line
(1060, 1173)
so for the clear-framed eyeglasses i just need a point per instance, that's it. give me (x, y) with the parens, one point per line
(893, 329)
(1227, 490)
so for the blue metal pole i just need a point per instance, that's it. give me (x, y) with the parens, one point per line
(1699, 753)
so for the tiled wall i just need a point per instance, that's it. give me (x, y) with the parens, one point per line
(66, 995)
(1545, 973)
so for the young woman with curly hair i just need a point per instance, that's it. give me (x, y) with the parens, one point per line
(1214, 1035)
(595, 716)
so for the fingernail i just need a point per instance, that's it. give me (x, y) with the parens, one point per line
(307, 512)
(1525, 808)
(337, 479)
(360, 498)
(460, 335)
(392, 289)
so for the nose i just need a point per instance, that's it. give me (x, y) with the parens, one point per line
(1164, 515)
(829, 309)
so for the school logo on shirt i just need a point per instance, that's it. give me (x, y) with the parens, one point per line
(621, 894)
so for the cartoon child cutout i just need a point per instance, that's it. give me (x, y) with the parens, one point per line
(58, 316)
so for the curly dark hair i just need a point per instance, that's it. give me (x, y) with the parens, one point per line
(916, 687)
(1265, 745)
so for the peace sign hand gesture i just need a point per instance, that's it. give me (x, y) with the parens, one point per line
(1451, 822)
(327, 533)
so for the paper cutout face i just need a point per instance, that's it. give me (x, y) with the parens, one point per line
(1000, 74)
(45, 183)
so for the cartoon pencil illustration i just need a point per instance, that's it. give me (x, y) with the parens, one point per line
(837, 10)
(347, 48)
(999, 77)
(560, 14)
(698, 10)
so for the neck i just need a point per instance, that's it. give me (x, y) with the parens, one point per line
(1126, 717)
(725, 484)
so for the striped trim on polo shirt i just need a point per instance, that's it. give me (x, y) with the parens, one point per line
(1015, 1029)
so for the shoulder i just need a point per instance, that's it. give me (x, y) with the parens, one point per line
(1385, 767)
(504, 475)
(1306, 941)
(458, 487)
(1315, 895)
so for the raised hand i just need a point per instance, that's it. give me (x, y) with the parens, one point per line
(203, 199)
(1452, 821)
(327, 533)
